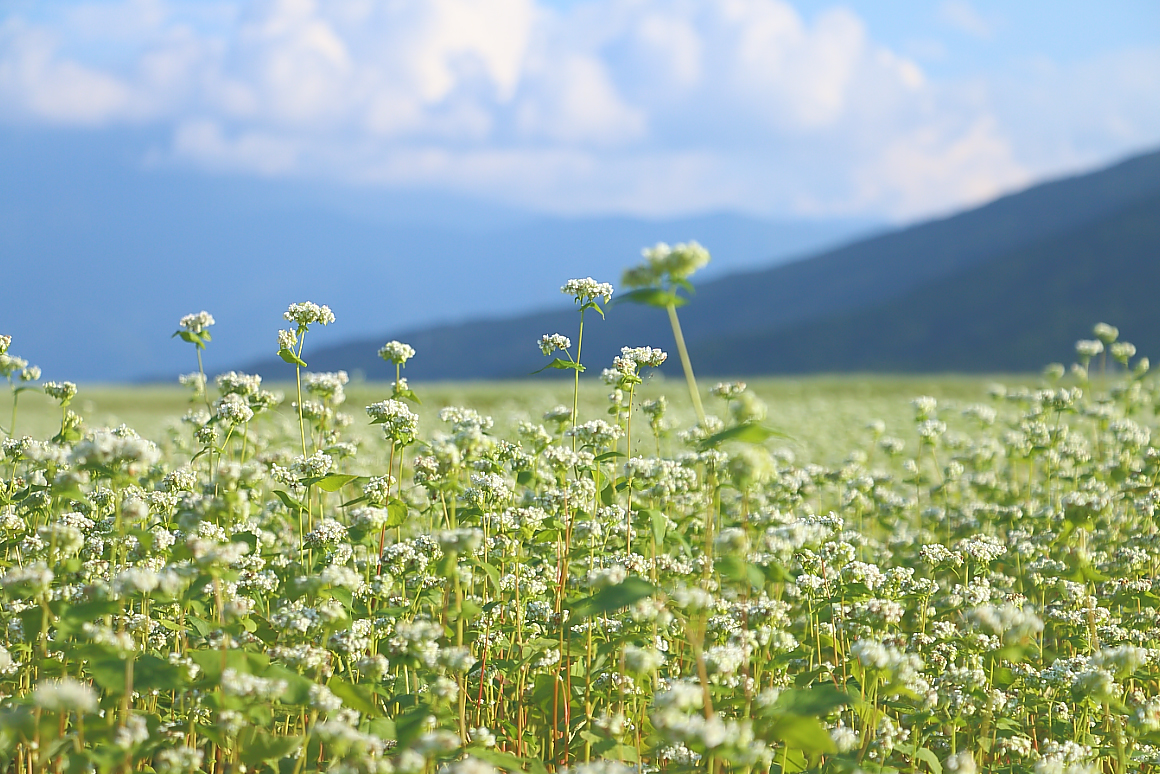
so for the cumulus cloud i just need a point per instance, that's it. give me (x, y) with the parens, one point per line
(643, 106)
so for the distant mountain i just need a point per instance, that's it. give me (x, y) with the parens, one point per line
(1016, 312)
(1003, 286)
(101, 252)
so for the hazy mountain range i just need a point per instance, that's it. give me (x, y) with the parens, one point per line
(102, 250)
(1004, 287)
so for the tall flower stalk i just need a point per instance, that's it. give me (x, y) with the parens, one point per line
(657, 282)
(291, 342)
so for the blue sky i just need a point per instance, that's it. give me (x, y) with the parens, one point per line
(579, 107)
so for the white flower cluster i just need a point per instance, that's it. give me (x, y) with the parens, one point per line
(308, 312)
(550, 342)
(400, 424)
(396, 352)
(196, 323)
(587, 289)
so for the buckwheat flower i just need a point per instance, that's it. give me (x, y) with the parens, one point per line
(982, 548)
(645, 356)
(396, 352)
(469, 764)
(691, 598)
(136, 580)
(132, 733)
(1088, 348)
(235, 683)
(196, 323)
(1106, 333)
(287, 340)
(5, 343)
(845, 738)
(550, 342)
(462, 540)
(61, 391)
(328, 385)
(314, 466)
(178, 760)
(483, 736)
(1013, 624)
(1122, 351)
(488, 489)
(65, 694)
(239, 383)
(323, 700)
(32, 373)
(1121, 660)
(400, 424)
(962, 763)
(32, 580)
(558, 415)
(727, 390)
(8, 665)
(10, 364)
(596, 433)
(308, 312)
(195, 381)
(642, 660)
(664, 262)
(587, 289)
(233, 409)
(327, 534)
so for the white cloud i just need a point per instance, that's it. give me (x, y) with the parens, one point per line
(963, 16)
(646, 106)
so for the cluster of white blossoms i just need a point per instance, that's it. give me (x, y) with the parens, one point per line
(550, 342)
(307, 313)
(587, 289)
(196, 323)
(396, 352)
(65, 694)
(63, 392)
(400, 424)
(667, 264)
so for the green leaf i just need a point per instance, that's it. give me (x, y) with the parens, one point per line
(109, 673)
(608, 456)
(559, 363)
(158, 674)
(291, 358)
(802, 732)
(612, 598)
(396, 513)
(747, 432)
(737, 569)
(264, 747)
(214, 662)
(818, 700)
(354, 696)
(409, 394)
(490, 571)
(660, 525)
(410, 724)
(656, 297)
(288, 501)
(334, 481)
(930, 759)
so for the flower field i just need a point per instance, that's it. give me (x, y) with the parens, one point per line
(620, 580)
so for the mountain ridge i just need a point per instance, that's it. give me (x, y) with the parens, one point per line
(755, 305)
